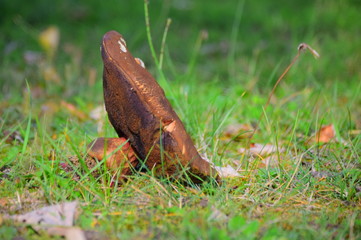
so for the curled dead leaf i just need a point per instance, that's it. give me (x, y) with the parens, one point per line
(11, 136)
(271, 161)
(60, 214)
(261, 149)
(226, 172)
(238, 131)
(56, 220)
(326, 134)
(74, 110)
(69, 233)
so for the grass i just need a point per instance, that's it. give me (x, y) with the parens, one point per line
(312, 192)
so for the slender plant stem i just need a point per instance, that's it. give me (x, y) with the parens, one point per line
(149, 35)
(301, 47)
(161, 55)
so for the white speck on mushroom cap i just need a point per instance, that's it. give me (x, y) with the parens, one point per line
(123, 41)
(140, 62)
(122, 45)
(170, 127)
(183, 149)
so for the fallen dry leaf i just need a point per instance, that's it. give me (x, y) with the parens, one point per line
(10, 136)
(325, 134)
(227, 171)
(238, 131)
(60, 215)
(70, 233)
(223, 172)
(56, 220)
(4, 201)
(271, 161)
(260, 149)
(73, 110)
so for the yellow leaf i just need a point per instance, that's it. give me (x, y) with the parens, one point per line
(49, 40)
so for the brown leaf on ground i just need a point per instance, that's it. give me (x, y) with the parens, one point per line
(325, 134)
(74, 110)
(268, 154)
(56, 220)
(238, 131)
(4, 201)
(10, 136)
(271, 161)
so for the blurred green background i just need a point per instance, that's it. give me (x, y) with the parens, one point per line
(248, 43)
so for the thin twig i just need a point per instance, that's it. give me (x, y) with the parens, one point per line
(302, 47)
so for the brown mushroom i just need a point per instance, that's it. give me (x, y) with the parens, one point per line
(139, 111)
(120, 157)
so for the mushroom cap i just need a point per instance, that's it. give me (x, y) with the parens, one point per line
(118, 153)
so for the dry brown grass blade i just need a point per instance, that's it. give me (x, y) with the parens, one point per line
(301, 48)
